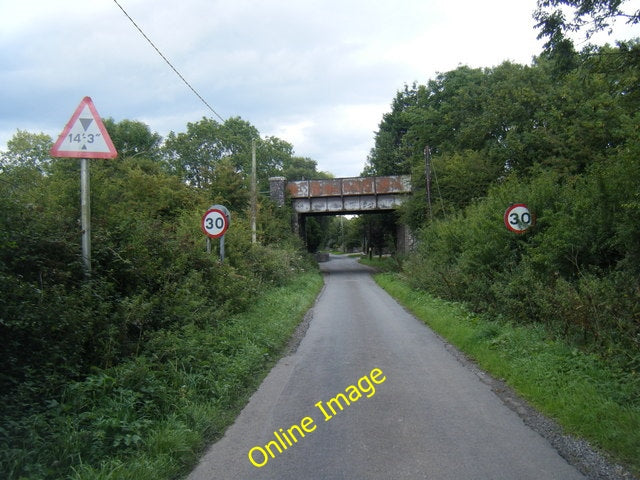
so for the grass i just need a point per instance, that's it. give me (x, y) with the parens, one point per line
(386, 263)
(151, 417)
(585, 395)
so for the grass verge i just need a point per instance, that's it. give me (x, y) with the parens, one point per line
(387, 263)
(150, 417)
(585, 395)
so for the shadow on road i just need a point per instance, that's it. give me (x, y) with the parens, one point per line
(342, 264)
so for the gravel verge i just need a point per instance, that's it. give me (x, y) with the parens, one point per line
(592, 463)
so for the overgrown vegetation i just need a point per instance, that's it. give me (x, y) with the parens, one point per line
(127, 374)
(563, 141)
(560, 135)
(576, 271)
(585, 393)
(148, 357)
(150, 416)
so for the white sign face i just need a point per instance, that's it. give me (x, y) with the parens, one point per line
(84, 136)
(518, 218)
(214, 223)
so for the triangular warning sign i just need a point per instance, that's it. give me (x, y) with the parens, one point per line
(84, 136)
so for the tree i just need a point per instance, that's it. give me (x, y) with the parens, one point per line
(388, 156)
(132, 138)
(23, 172)
(27, 150)
(193, 154)
(589, 16)
(315, 229)
(272, 154)
(228, 186)
(352, 234)
(485, 124)
(463, 176)
(303, 168)
(379, 232)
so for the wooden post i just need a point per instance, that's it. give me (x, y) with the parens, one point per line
(427, 174)
(254, 194)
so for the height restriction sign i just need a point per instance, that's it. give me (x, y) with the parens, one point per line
(84, 136)
(214, 223)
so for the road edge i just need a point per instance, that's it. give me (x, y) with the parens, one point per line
(593, 463)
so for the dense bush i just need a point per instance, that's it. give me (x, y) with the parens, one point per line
(150, 268)
(150, 415)
(576, 270)
(564, 140)
(98, 367)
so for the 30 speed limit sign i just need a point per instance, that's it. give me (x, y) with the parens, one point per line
(214, 223)
(518, 218)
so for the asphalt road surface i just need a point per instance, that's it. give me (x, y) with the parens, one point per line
(408, 410)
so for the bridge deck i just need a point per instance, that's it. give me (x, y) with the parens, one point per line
(349, 195)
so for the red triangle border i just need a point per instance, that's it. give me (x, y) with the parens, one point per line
(57, 152)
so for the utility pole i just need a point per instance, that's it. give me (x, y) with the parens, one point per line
(254, 194)
(427, 175)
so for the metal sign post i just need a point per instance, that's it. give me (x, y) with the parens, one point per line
(214, 224)
(85, 214)
(84, 137)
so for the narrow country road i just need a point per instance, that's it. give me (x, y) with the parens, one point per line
(418, 414)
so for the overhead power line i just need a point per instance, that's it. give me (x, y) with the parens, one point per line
(168, 62)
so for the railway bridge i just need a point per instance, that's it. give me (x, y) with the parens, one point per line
(344, 196)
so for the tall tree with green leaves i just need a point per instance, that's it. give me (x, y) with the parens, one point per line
(133, 138)
(193, 154)
(559, 20)
(302, 168)
(389, 156)
(588, 16)
(27, 150)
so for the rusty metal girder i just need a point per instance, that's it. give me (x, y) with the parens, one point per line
(349, 194)
(336, 187)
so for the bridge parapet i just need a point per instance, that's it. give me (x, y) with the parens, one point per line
(346, 195)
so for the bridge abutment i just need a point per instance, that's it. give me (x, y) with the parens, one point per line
(277, 187)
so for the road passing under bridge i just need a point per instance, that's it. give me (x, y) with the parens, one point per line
(372, 393)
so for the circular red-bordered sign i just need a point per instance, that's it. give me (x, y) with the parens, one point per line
(214, 223)
(518, 218)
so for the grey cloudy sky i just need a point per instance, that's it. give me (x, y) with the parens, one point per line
(317, 73)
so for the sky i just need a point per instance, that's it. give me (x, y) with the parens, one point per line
(317, 73)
